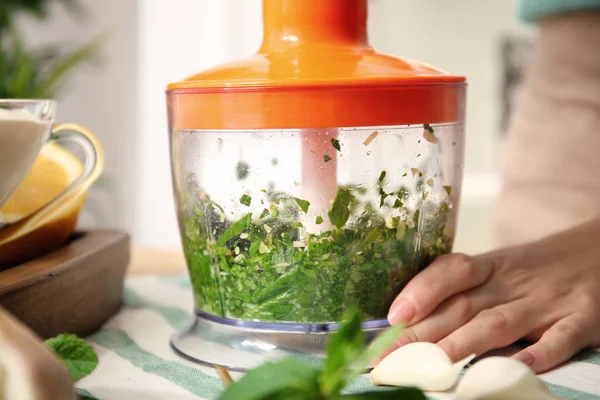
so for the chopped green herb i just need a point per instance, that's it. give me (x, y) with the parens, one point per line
(336, 143)
(298, 225)
(264, 214)
(398, 203)
(235, 229)
(220, 140)
(404, 174)
(246, 200)
(326, 158)
(319, 220)
(448, 189)
(403, 193)
(242, 170)
(304, 204)
(274, 161)
(418, 155)
(263, 248)
(381, 176)
(382, 196)
(339, 213)
(373, 236)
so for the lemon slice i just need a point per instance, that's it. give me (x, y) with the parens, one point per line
(53, 171)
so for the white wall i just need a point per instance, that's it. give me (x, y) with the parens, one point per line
(177, 39)
(156, 41)
(101, 96)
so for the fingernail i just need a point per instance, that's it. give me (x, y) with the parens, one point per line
(401, 311)
(525, 357)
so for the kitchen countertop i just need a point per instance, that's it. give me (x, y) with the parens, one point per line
(146, 261)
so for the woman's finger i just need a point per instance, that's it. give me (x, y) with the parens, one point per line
(447, 276)
(451, 315)
(491, 329)
(448, 317)
(559, 343)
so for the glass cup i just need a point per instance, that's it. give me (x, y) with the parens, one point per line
(25, 126)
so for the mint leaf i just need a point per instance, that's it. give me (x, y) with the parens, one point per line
(246, 200)
(319, 220)
(78, 356)
(372, 236)
(340, 212)
(286, 379)
(304, 204)
(235, 229)
(336, 143)
(343, 350)
(326, 158)
(380, 344)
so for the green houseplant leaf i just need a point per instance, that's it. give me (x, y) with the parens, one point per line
(36, 73)
(51, 81)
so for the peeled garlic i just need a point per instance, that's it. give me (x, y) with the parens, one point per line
(422, 365)
(499, 378)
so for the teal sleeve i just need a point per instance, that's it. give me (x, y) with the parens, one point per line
(532, 10)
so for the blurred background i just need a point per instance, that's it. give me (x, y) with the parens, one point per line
(120, 93)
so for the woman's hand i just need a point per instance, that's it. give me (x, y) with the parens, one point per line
(547, 292)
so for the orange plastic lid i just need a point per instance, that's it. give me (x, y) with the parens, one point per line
(316, 69)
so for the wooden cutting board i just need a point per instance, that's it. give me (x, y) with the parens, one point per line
(74, 289)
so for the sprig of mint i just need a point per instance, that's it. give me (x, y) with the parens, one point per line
(347, 357)
(77, 355)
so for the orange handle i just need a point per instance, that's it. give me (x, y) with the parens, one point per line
(290, 23)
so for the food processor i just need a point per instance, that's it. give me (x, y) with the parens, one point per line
(312, 178)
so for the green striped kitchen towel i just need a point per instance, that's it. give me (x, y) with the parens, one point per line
(137, 362)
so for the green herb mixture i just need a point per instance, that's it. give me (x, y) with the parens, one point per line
(267, 267)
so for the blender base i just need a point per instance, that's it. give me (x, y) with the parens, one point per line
(242, 345)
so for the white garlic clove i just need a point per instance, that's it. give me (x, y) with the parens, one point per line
(29, 369)
(423, 365)
(500, 378)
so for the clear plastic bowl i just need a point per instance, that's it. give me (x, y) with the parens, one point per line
(289, 229)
